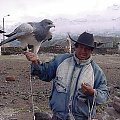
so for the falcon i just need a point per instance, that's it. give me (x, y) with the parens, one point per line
(31, 34)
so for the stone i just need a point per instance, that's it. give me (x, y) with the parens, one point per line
(42, 116)
(10, 78)
(116, 103)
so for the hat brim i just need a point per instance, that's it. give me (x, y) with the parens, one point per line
(79, 42)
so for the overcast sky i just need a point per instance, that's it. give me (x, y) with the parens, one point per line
(19, 9)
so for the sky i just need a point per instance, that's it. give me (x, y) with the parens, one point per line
(24, 10)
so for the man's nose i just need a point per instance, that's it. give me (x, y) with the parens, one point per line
(83, 50)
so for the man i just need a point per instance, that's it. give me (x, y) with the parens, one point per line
(79, 84)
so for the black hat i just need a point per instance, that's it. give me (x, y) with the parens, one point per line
(85, 39)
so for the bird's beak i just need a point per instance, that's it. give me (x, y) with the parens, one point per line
(52, 25)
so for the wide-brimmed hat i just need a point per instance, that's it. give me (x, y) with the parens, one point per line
(85, 39)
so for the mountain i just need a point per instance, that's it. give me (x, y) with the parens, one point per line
(103, 23)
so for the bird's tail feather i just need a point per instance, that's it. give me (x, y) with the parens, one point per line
(14, 37)
(6, 41)
(1, 31)
(10, 34)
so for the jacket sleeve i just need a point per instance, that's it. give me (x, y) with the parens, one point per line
(45, 71)
(101, 90)
(100, 85)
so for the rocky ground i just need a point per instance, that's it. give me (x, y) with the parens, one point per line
(15, 95)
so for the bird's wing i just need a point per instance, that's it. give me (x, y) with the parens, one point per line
(48, 37)
(14, 37)
(24, 29)
(39, 33)
(9, 35)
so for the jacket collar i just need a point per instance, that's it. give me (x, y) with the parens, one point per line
(82, 62)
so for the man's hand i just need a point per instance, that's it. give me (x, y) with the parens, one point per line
(31, 57)
(87, 89)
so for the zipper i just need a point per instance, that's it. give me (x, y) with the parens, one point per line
(73, 100)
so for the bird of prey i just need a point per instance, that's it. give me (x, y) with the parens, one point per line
(31, 34)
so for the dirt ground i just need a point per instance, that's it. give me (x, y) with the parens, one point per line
(16, 97)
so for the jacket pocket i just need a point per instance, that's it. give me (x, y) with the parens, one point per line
(60, 87)
(81, 96)
(80, 103)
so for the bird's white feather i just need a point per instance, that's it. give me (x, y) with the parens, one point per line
(31, 33)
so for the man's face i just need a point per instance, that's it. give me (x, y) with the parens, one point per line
(83, 52)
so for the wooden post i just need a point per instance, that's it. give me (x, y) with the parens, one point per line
(69, 45)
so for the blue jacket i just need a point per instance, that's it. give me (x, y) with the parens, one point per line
(60, 70)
